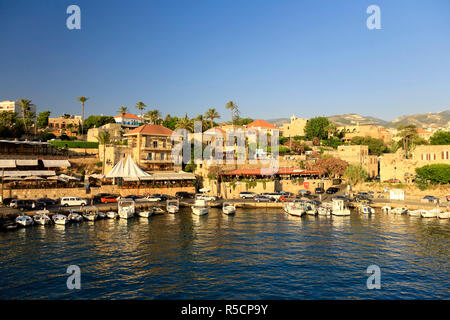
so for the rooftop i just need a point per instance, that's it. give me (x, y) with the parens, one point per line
(150, 129)
(261, 124)
(128, 116)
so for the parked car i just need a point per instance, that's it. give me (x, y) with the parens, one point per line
(205, 197)
(274, 196)
(109, 199)
(319, 190)
(46, 202)
(332, 190)
(26, 205)
(432, 199)
(184, 195)
(345, 198)
(7, 201)
(247, 195)
(132, 197)
(287, 194)
(163, 197)
(304, 193)
(73, 201)
(98, 197)
(284, 198)
(152, 198)
(448, 197)
(261, 198)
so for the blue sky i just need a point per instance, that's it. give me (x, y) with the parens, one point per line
(274, 58)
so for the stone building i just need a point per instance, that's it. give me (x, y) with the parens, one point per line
(372, 131)
(357, 155)
(396, 166)
(115, 131)
(14, 106)
(295, 128)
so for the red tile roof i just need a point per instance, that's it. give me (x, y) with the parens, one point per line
(129, 116)
(150, 129)
(420, 130)
(261, 124)
(213, 130)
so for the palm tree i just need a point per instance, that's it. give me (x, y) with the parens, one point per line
(82, 99)
(185, 123)
(26, 105)
(233, 108)
(154, 116)
(212, 114)
(140, 106)
(103, 139)
(122, 111)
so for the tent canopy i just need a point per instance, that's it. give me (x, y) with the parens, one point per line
(129, 169)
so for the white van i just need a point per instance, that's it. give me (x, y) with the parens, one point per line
(73, 201)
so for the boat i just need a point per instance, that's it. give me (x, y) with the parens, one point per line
(415, 213)
(325, 209)
(339, 208)
(24, 220)
(295, 208)
(444, 215)
(90, 213)
(200, 207)
(126, 208)
(386, 209)
(157, 211)
(75, 216)
(433, 213)
(399, 210)
(111, 214)
(60, 219)
(172, 206)
(365, 209)
(145, 214)
(228, 208)
(41, 217)
(101, 215)
(310, 209)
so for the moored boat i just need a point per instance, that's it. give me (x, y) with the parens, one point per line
(75, 216)
(310, 209)
(444, 215)
(41, 217)
(386, 209)
(111, 214)
(295, 208)
(60, 219)
(365, 209)
(200, 207)
(126, 208)
(24, 220)
(101, 215)
(399, 210)
(228, 208)
(156, 211)
(433, 213)
(339, 208)
(324, 209)
(145, 214)
(172, 206)
(415, 213)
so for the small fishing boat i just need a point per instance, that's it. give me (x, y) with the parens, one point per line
(415, 213)
(296, 209)
(60, 219)
(111, 215)
(24, 220)
(126, 208)
(157, 211)
(101, 215)
(324, 209)
(200, 207)
(399, 210)
(228, 208)
(310, 209)
(339, 208)
(386, 209)
(444, 215)
(365, 209)
(145, 214)
(41, 217)
(433, 213)
(90, 213)
(172, 206)
(75, 216)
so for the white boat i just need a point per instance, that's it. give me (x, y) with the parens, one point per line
(296, 209)
(415, 213)
(200, 207)
(126, 208)
(444, 215)
(90, 213)
(75, 216)
(325, 209)
(365, 209)
(111, 214)
(399, 210)
(430, 213)
(228, 208)
(339, 208)
(60, 219)
(310, 209)
(145, 214)
(386, 209)
(172, 206)
(101, 215)
(41, 217)
(156, 211)
(24, 220)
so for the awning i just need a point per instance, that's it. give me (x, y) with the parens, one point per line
(159, 176)
(26, 162)
(65, 176)
(56, 163)
(27, 173)
(33, 178)
(7, 163)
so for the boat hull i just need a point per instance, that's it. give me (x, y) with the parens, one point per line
(199, 211)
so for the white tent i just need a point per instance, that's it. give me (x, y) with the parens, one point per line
(128, 170)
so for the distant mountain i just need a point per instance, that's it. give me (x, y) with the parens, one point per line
(424, 120)
(278, 121)
(352, 119)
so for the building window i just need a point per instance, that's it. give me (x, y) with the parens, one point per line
(155, 144)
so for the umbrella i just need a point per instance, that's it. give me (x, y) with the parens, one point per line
(65, 176)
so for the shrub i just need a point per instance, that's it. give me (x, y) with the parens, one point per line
(75, 144)
(433, 174)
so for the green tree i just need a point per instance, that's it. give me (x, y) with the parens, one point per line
(232, 106)
(434, 174)
(407, 133)
(318, 127)
(42, 119)
(185, 123)
(140, 106)
(170, 122)
(212, 114)
(154, 116)
(355, 174)
(83, 100)
(376, 146)
(97, 121)
(242, 121)
(440, 138)
(25, 105)
(123, 111)
(104, 138)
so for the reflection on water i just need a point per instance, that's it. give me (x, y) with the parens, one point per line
(252, 255)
